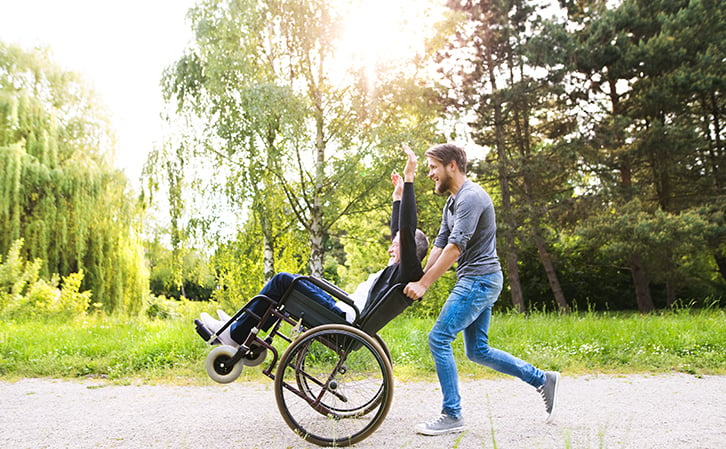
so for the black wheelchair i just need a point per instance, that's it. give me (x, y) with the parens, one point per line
(333, 383)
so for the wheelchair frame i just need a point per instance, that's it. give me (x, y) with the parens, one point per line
(334, 382)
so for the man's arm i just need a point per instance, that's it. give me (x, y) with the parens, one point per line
(433, 257)
(445, 259)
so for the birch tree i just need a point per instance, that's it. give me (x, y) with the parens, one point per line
(280, 119)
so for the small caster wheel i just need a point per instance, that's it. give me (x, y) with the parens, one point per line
(256, 356)
(219, 368)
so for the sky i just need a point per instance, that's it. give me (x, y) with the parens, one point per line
(119, 48)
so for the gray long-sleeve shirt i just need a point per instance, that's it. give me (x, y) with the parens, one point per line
(468, 221)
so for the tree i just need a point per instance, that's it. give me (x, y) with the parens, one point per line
(260, 77)
(499, 66)
(59, 193)
(677, 104)
(637, 59)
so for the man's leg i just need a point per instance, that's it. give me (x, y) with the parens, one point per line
(476, 340)
(476, 343)
(278, 285)
(240, 329)
(273, 289)
(463, 307)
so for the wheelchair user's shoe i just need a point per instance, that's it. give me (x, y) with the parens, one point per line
(223, 315)
(214, 326)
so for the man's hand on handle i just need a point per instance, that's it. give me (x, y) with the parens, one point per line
(415, 290)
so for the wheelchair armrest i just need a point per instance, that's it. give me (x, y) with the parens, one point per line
(332, 289)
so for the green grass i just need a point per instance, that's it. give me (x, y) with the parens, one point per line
(144, 350)
(692, 341)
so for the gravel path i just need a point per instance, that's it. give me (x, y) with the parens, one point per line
(596, 411)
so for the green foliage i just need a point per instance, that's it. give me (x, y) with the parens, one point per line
(663, 238)
(652, 147)
(24, 294)
(301, 149)
(57, 190)
(365, 239)
(239, 271)
(158, 307)
(604, 125)
(198, 279)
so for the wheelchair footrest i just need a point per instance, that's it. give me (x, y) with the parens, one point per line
(205, 333)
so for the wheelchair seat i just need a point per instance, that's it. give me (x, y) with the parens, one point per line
(297, 305)
(370, 320)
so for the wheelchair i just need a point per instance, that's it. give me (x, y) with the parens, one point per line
(333, 383)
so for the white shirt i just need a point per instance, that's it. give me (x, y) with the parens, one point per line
(359, 297)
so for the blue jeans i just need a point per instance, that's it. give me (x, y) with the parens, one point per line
(469, 309)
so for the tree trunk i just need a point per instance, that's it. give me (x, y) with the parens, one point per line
(544, 255)
(670, 293)
(640, 278)
(523, 138)
(515, 284)
(642, 288)
(268, 257)
(317, 251)
(508, 217)
(549, 268)
(718, 153)
(721, 264)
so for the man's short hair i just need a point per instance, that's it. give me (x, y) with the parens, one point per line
(422, 244)
(447, 152)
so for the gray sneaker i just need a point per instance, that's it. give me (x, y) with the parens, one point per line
(549, 393)
(441, 425)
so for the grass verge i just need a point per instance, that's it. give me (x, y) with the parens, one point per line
(130, 350)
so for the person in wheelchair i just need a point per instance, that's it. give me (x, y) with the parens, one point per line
(408, 248)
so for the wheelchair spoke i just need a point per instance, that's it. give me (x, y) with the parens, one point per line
(330, 394)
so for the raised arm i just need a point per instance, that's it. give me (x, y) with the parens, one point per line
(410, 263)
(409, 172)
(397, 182)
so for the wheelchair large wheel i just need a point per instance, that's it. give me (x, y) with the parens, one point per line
(308, 387)
(334, 385)
(386, 351)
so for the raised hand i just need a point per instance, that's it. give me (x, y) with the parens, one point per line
(409, 171)
(397, 182)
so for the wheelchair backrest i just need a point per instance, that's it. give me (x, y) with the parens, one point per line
(375, 316)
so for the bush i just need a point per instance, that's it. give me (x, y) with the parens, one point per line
(24, 294)
(158, 307)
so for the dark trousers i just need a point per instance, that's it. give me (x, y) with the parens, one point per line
(274, 289)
